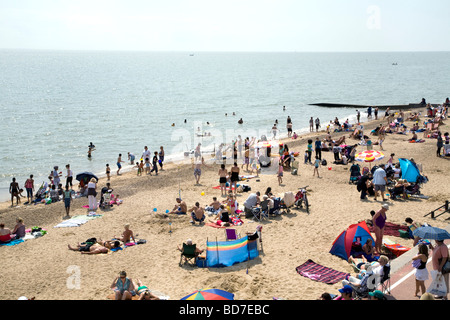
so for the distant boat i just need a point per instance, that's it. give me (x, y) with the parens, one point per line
(395, 63)
(191, 55)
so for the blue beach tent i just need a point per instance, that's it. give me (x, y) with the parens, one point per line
(410, 171)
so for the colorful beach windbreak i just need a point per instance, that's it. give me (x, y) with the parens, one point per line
(227, 253)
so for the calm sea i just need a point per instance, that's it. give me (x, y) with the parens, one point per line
(54, 103)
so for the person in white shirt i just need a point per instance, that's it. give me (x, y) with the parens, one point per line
(379, 181)
(69, 176)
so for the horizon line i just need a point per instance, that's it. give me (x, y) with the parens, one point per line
(222, 51)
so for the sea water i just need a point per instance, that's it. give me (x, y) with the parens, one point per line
(54, 103)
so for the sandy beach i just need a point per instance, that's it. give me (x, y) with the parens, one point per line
(43, 267)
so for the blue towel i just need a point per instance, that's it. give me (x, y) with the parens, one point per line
(11, 243)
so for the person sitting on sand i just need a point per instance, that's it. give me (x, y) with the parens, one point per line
(214, 207)
(5, 234)
(143, 292)
(95, 248)
(197, 214)
(190, 243)
(414, 137)
(222, 218)
(19, 229)
(127, 235)
(180, 207)
(123, 287)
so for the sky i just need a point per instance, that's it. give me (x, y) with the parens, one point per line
(232, 25)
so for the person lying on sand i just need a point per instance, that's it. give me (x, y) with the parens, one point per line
(143, 292)
(96, 248)
(110, 244)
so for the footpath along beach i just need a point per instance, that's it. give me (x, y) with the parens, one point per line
(43, 267)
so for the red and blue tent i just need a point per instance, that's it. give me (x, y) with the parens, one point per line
(343, 243)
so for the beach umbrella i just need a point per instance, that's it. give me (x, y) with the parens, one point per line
(431, 233)
(86, 175)
(369, 156)
(210, 294)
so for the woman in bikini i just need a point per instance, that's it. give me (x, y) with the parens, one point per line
(379, 221)
(223, 180)
(234, 177)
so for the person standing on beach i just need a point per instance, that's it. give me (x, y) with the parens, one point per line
(155, 163)
(146, 153)
(14, 190)
(161, 157)
(29, 186)
(92, 192)
(55, 176)
(280, 171)
(379, 222)
(380, 181)
(69, 176)
(439, 257)
(317, 121)
(439, 144)
(375, 112)
(234, 177)
(119, 163)
(223, 180)
(108, 172)
(67, 201)
(311, 125)
(318, 145)
(421, 272)
(358, 116)
(198, 169)
(289, 126)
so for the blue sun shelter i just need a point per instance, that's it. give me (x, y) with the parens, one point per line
(410, 171)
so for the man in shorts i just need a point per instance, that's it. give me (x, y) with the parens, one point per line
(379, 181)
(180, 207)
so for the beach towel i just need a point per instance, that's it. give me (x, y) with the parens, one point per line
(395, 248)
(77, 221)
(391, 229)
(11, 243)
(319, 273)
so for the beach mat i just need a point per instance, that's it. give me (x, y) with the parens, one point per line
(317, 272)
(11, 243)
(391, 229)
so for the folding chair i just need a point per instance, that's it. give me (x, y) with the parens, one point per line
(386, 279)
(188, 254)
(231, 234)
(264, 210)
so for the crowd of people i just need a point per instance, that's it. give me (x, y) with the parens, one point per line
(247, 153)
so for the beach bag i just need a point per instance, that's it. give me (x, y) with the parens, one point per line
(446, 266)
(416, 263)
(324, 162)
(438, 286)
